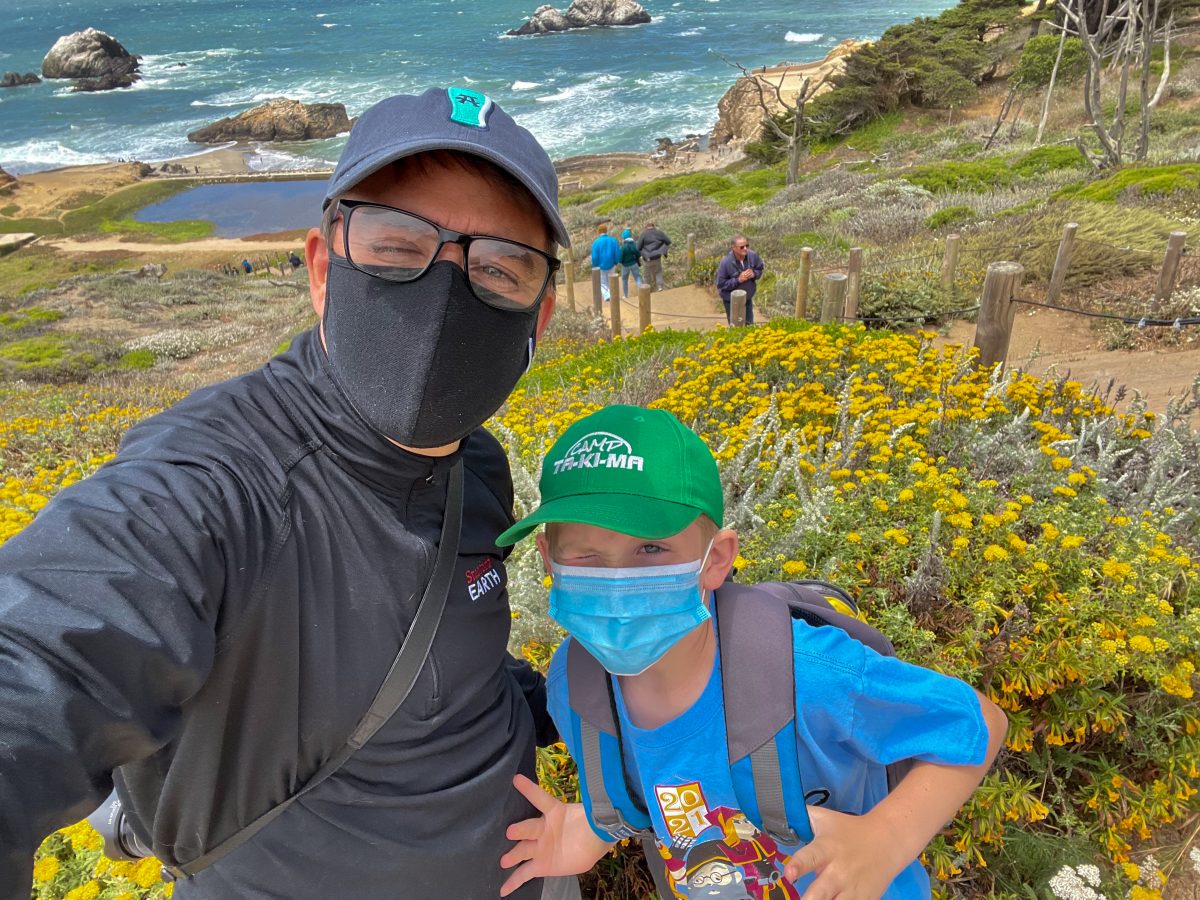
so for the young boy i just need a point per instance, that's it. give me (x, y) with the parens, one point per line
(632, 504)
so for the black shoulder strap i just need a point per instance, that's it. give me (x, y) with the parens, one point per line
(414, 650)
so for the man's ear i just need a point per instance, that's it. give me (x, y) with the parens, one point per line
(720, 559)
(544, 548)
(316, 259)
(545, 311)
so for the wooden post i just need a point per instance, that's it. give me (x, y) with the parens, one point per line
(691, 251)
(644, 308)
(614, 301)
(597, 297)
(853, 284)
(802, 282)
(1170, 269)
(569, 277)
(835, 298)
(1062, 262)
(950, 261)
(993, 329)
(737, 308)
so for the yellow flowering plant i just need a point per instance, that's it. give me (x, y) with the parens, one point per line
(1016, 532)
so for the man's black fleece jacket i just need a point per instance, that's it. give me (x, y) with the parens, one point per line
(213, 612)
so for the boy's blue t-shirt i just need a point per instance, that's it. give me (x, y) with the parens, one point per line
(856, 712)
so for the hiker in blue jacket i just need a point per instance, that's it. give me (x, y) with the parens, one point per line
(632, 504)
(606, 254)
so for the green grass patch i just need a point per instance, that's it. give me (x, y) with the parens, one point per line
(1149, 180)
(982, 175)
(137, 359)
(32, 226)
(183, 230)
(9, 210)
(730, 191)
(37, 267)
(122, 204)
(951, 215)
(872, 137)
(26, 318)
(579, 198)
(816, 240)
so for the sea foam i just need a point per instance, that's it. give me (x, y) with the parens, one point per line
(807, 37)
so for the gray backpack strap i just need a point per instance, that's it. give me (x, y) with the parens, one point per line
(590, 695)
(757, 672)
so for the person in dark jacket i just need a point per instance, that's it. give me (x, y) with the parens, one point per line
(739, 271)
(653, 245)
(629, 262)
(206, 619)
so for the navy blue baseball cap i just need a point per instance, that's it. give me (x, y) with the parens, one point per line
(448, 119)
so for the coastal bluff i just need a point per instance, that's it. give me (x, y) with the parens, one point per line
(739, 112)
(97, 60)
(277, 120)
(583, 14)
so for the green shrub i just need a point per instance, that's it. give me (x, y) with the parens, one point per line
(752, 187)
(1049, 159)
(951, 215)
(31, 317)
(1037, 61)
(704, 272)
(976, 177)
(816, 240)
(137, 359)
(1151, 180)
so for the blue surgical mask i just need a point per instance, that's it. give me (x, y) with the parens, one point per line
(628, 618)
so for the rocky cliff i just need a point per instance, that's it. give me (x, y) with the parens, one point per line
(740, 114)
(93, 56)
(584, 14)
(277, 120)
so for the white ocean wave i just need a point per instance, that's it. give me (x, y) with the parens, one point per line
(525, 85)
(36, 155)
(806, 37)
(692, 32)
(266, 159)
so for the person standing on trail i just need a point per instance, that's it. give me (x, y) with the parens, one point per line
(247, 267)
(629, 262)
(653, 245)
(213, 621)
(606, 255)
(739, 271)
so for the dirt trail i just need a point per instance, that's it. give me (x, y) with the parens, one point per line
(1043, 342)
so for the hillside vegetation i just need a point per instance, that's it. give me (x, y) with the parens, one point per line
(1037, 540)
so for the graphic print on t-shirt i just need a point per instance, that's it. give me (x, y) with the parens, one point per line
(718, 853)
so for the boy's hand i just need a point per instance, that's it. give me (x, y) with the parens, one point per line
(849, 855)
(558, 842)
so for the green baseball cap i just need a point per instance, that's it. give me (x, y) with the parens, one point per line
(638, 471)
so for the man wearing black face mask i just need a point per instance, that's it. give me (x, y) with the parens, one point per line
(205, 621)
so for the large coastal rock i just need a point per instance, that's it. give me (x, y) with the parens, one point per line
(91, 55)
(7, 182)
(277, 120)
(584, 14)
(16, 79)
(739, 112)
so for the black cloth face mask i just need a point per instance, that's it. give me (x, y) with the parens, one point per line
(424, 362)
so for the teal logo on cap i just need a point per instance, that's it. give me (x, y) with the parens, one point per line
(469, 107)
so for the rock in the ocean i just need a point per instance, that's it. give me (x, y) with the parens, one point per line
(15, 79)
(91, 54)
(584, 14)
(277, 120)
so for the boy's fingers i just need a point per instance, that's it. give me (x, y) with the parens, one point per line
(517, 878)
(533, 792)
(518, 854)
(526, 829)
(803, 861)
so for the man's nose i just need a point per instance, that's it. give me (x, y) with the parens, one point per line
(455, 253)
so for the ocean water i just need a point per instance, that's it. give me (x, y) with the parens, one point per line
(588, 91)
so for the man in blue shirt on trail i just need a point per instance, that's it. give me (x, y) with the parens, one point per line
(739, 271)
(606, 254)
(632, 504)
